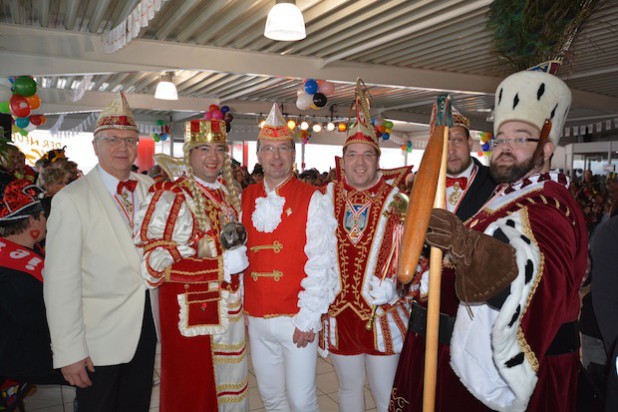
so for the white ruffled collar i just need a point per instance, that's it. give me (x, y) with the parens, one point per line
(213, 186)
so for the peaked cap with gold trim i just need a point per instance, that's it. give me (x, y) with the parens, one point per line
(275, 127)
(362, 130)
(459, 120)
(201, 131)
(116, 115)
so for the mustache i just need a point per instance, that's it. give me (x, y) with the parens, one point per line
(505, 154)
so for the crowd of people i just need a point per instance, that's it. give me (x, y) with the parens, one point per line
(301, 265)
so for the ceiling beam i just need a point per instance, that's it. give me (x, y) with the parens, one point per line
(58, 52)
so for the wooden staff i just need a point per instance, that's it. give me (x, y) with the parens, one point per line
(428, 192)
(433, 303)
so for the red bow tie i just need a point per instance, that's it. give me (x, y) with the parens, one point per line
(130, 185)
(463, 182)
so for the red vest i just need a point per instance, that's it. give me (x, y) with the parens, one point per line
(277, 259)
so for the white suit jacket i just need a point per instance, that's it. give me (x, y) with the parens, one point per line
(94, 293)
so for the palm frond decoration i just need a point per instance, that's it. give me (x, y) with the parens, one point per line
(528, 32)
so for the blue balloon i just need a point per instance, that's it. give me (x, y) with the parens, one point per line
(225, 109)
(163, 137)
(386, 136)
(485, 147)
(22, 122)
(311, 86)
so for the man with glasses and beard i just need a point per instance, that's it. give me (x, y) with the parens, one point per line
(519, 264)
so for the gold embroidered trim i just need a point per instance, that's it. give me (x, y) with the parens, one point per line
(276, 274)
(276, 247)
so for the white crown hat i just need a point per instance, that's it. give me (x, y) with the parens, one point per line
(533, 97)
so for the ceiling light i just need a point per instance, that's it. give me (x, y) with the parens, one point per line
(291, 124)
(342, 127)
(166, 90)
(330, 126)
(285, 22)
(317, 127)
(262, 123)
(304, 125)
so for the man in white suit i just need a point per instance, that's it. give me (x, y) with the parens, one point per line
(98, 307)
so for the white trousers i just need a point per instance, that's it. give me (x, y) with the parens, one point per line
(285, 373)
(350, 371)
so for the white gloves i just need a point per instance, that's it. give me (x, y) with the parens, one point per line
(234, 261)
(384, 292)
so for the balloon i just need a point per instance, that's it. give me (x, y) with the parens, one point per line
(19, 106)
(24, 86)
(22, 122)
(304, 101)
(386, 136)
(311, 86)
(326, 88)
(5, 93)
(342, 127)
(225, 109)
(388, 124)
(213, 107)
(208, 116)
(228, 127)
(164, 137)
(34, 101)
(14, 129)
(382, 129)
(300, 91)
(228, 117)
(319, 100)
(480, 153)
(5, 107)
(387, 130)
(217, 115)
(43, 119)
(23, 132)
(160, 122)
(30, 127)
(157, 138)
(409, 143)
(403, 147)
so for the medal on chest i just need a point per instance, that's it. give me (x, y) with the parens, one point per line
(355, 219)
(455, 195)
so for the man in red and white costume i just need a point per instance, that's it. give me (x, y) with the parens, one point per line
(519, 263)
(468, 186)
(290, 280)
(364, 328)
(203, 356)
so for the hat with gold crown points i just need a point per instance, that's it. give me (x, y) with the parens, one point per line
(533, 96)
(116, 115)
(275, 127)
(362, 130)
(202, 131)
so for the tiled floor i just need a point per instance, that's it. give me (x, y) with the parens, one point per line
(53, 398)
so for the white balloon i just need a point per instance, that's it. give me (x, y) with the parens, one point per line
(30, 127)
(304, 101)
(5, 93)
(6, 82)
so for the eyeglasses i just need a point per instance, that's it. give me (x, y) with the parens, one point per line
(273, 149)
(117, 141)
(517, 142)
(369, 156)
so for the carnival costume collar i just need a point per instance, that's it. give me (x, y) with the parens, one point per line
(268, 210)
(554, 176)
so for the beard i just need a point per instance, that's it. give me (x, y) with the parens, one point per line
(515, 171)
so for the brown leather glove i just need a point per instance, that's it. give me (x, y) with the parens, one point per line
(485, 266)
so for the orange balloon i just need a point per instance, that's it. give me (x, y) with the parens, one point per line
(43, 119)
(34, 101)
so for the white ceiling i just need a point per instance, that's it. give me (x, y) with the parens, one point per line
(407, 52)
